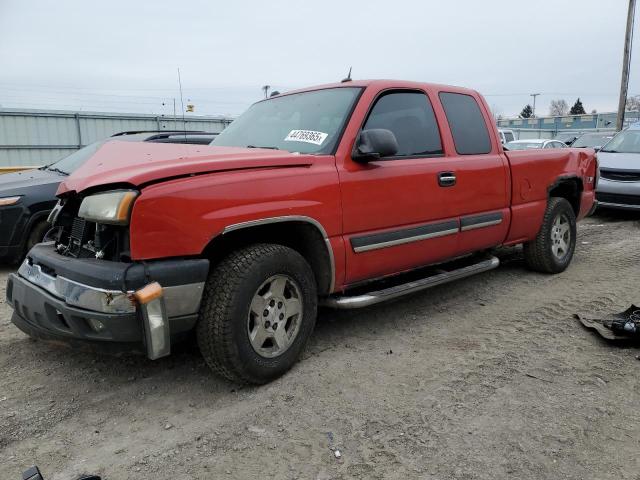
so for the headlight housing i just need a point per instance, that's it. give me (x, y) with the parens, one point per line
(4, 201)
(113, 208)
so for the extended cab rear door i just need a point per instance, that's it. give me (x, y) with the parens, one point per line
(483, 181)
(429, 202)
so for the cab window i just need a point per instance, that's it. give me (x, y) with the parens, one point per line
(409, 115)
(466, 122)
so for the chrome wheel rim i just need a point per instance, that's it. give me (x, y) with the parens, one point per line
(560, 236)
(275, 315)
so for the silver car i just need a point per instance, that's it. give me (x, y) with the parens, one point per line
(534, 143)
(619, 160)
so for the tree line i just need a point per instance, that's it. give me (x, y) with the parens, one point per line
(560, 107)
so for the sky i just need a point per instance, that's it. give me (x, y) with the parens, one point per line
(123, 55)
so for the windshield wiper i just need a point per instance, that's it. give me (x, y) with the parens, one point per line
(57, 170)
(610, 151)
(270, 148)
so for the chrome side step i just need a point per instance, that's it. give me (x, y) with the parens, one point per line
(371, 298)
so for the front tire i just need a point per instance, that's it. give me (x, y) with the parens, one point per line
(258, 311)
(553, 247)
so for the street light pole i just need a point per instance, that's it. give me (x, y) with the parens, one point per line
(624, 84)
(534, 95)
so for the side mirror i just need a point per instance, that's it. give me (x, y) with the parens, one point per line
(375, 143)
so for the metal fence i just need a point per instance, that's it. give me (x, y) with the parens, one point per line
(39, 137)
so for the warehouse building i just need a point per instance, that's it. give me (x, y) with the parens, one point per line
(40, 137)
(569, 122)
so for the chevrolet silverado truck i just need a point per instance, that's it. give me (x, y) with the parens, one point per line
(342, 195)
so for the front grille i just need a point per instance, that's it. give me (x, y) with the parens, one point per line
(620, 175)
(617, 198)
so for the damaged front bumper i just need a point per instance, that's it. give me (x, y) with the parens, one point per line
(105, 304)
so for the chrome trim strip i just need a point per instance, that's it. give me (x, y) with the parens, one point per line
(359, 301)
(183, 299)
(291, 218)
(77, 294)
(401, 241)
(180, 300)
(480, 225)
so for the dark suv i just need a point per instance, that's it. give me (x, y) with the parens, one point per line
(27, 197)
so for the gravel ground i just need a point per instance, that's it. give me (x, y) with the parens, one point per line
(487, 378)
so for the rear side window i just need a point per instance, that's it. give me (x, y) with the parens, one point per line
(410, 117)
(467, 124)
(508, 136)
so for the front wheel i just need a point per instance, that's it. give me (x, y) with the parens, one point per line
(258, 311)
(553, 247)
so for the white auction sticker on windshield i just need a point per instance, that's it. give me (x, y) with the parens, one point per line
(307, 136)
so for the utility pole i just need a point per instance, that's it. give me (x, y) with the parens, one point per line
(624, 84)
(534, 95)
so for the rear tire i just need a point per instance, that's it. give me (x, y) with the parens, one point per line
(258, 311)
(553, 247)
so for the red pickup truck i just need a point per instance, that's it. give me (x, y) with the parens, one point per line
(342, 195)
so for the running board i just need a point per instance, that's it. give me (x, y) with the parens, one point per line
(371, 298)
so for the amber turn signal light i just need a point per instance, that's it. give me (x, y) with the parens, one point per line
(148, 293)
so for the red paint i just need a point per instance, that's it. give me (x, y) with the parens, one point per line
(189, 194)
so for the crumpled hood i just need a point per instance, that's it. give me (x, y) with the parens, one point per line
(619, 161)
(138, 163)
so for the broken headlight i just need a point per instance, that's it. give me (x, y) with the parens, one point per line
(112, 208)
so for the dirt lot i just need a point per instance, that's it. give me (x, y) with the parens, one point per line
(487, 378)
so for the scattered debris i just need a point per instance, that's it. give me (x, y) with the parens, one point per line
(538, 378)
(254, 429)
(619, 326)
(168, 426)
(337, 453)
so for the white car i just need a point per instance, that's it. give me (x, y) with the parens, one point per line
(534, 143)
(506, 136)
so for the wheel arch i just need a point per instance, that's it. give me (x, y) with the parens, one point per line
(570, 188)
(304, 234)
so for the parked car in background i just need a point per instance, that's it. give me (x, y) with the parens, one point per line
(534, 143)
(619, 159)
(506, 136)
(326, 195)
(27, 197)
(567, 138)
(592, 140)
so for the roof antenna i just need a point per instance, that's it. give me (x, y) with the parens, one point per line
(348, 79)
(184, 122)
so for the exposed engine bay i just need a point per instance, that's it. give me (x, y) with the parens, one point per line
(80, 238)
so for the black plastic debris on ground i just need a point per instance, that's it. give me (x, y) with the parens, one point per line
(618, 326)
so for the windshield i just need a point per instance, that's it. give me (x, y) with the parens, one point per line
(523, 145)
(69, 163)
(592, 140)
(624, 142)
(307, 122)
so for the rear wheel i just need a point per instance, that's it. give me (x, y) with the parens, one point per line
(258, 311)
(553, 248)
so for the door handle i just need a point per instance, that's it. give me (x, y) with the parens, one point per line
(446, 179)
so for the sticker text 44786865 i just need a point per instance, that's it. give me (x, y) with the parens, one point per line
(306, 136)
